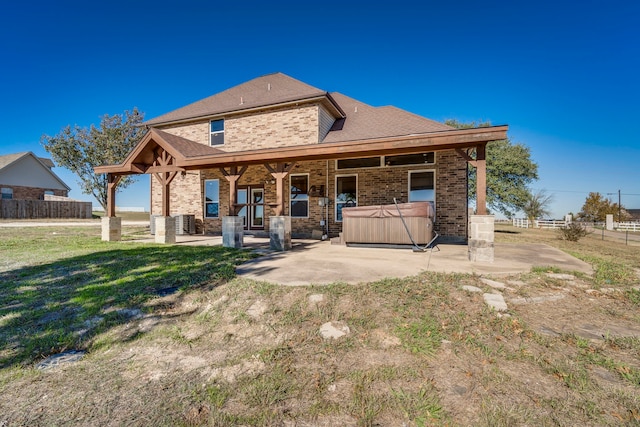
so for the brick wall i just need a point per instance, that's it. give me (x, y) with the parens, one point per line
(375, 186)
(272, 128)
(31, 193)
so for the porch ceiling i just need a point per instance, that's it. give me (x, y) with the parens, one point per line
(190, 155)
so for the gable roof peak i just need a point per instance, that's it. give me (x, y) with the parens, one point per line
(264, 91)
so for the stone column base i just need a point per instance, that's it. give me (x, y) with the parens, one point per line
(111, 229)
(481, 238)
(280, 233)
(165, 229)
(232, 232)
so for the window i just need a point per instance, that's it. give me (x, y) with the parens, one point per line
(363, 162)
(211, 198)
(411, 159)
(217, 132)
(7, 193)
(346, 193)
(299, 198)
(422, 187)
(427, 158)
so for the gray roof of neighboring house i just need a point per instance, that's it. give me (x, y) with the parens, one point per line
(359, 120)
(8, 159)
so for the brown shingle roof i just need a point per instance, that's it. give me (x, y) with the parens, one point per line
(362, 121)
(186, 147)
(263, 91)
(366, 122)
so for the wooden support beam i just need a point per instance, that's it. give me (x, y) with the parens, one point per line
(233, 176)
(481, 179)
(279, 173)
(465, 155)
(112, 185)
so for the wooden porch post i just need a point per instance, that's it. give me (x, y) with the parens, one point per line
(481, 179)
(480, 163)
(165, 178)
(112, 184)
(279, 174)
(233, 176)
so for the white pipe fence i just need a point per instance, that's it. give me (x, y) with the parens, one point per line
(628, 226)
(539, 223)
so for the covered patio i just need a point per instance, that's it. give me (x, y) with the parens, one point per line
(165, 156)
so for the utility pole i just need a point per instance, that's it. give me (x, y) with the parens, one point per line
(619, 208)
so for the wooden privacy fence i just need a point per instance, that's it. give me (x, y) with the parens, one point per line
(34, 209)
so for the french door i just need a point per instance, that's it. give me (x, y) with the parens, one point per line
(250, 200)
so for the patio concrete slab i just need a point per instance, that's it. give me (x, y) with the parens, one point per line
(315, 262)
(320, 262)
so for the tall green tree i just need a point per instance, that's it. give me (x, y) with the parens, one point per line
(81, 149)
(510, 170)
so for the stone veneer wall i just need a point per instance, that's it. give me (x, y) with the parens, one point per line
(31, 193)
(375, 186)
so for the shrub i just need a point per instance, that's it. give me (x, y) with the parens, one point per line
(573, 232)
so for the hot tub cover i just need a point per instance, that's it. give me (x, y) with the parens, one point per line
(414, 209)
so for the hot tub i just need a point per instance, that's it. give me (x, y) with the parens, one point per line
(382, 224)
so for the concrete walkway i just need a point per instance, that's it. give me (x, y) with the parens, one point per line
(320, 262)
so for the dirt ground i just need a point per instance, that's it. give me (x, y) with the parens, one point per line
(419, 351)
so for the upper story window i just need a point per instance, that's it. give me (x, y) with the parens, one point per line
(217, 132)
(7, 193)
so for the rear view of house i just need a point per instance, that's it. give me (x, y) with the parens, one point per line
(275, 146)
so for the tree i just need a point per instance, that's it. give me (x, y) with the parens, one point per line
(81, 149)
(509, 171)
(596, 208)
(537, 205)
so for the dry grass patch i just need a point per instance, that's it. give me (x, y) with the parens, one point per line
(421, 351)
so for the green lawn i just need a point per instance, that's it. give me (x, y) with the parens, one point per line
(62, 286)
(172, 337)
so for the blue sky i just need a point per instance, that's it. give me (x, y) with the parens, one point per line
(564, 75)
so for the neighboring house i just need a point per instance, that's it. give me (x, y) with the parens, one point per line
(277, 146)
(634, 214)
(24, 176)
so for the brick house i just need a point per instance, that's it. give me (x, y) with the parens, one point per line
(277, 146)
(24, 176)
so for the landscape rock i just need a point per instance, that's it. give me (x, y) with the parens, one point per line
(257, 309)
(316, 298)
(60, 359)
(493, 283)
(334, 329)
(561, 276)
(495, 301)
(470, 288)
